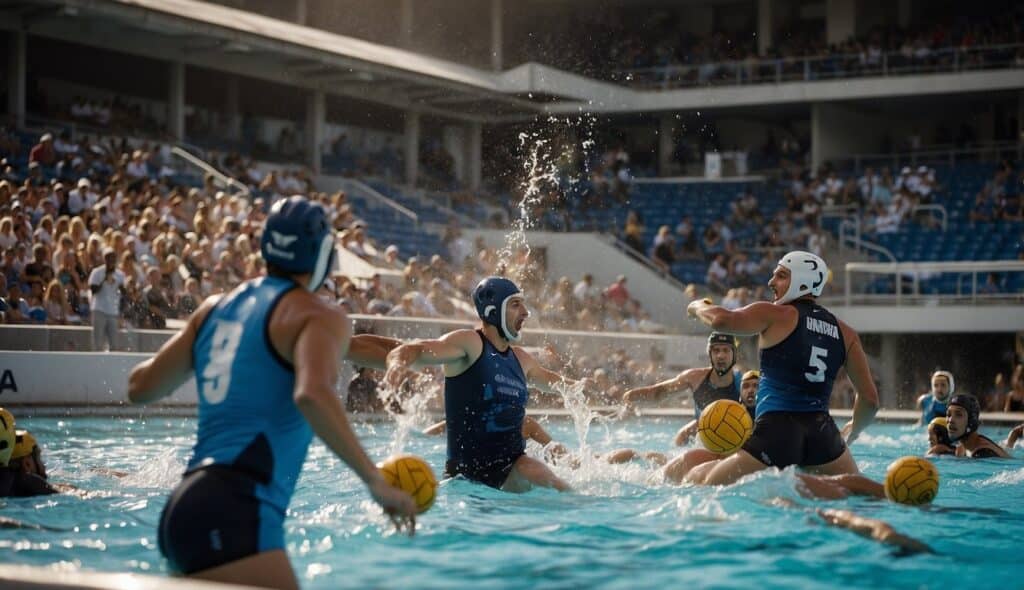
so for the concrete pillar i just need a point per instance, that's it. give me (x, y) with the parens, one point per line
(840, 20)
(1020, 117)
(765, 27)
(666, 144)
(176, 101)
(316, 122)
(497, 34)
(17, 76)
(904, 11)
(301, 12)
(889, 371)
(474, 155)
(232, 108)
(818, 138)
(412, 147)
(405, 24)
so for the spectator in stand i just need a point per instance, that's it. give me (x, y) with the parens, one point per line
(107, 286)
(633, 232)
(1014, 401)
(43, 152)
(617, 293)
(718, 275)
(663, 251)
(585, 291)
(686, 239)
(55, 302)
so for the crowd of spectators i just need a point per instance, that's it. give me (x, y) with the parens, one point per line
(616, 46)
(102, 232)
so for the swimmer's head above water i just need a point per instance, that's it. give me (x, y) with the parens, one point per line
(798, 274)
(722, 350)
(298, 239)
(500, 303)
(943, 385)
(963, 416)
(7, 437)
(27, 457)
(938, 432)
(748, 387)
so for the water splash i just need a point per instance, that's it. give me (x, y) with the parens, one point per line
(163, 471)
(410, 408)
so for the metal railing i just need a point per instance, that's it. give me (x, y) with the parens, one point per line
(948, 155)
(815, 68)
(642, 258)
(220, 177)
(372, 193)
(850, 233)
(916, 271)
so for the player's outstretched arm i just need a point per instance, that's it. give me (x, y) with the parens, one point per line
(680, 382)
(745, 321)
(165, 372)
(541, 378)
(371, 350)
(450, 348)
(685, 433)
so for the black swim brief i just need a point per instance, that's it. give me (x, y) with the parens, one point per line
(807, 439)
(213, 517)
(491, 472)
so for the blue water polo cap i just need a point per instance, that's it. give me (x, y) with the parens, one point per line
(491, 297)
(297, 238)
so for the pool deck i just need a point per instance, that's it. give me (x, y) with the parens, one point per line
(25, 577)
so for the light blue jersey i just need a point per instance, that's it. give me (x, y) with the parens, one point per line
(247, 417)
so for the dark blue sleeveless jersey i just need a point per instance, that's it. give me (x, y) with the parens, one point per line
(247, 417)
(797, 373)
(484, 408)
(931, 408)
(706, 393)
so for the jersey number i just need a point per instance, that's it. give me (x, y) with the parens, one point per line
(817, 362)
(217, 373)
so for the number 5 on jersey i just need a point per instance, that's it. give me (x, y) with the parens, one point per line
(217, 374)
(817, 362)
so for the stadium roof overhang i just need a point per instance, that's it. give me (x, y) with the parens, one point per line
(226, 39)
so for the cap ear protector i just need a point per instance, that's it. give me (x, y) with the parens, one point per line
(24, 445)
(808, 275)
(949, 379)
(491, 297)
(970, 405)
(720, 338)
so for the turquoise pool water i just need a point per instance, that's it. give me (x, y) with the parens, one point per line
(618, 530)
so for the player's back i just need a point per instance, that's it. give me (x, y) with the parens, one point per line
(797, 374)
(247, 417)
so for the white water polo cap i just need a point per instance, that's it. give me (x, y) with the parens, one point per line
(808, 274)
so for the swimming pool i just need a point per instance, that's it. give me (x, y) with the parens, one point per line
(615, 531)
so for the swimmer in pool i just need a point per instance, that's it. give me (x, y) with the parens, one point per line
(963, 417)
(22, 473)
(939, 442)
(803, 347)
(681, 465)
(486, 390)
(708, 384)
(266, 360)
(933, 404)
